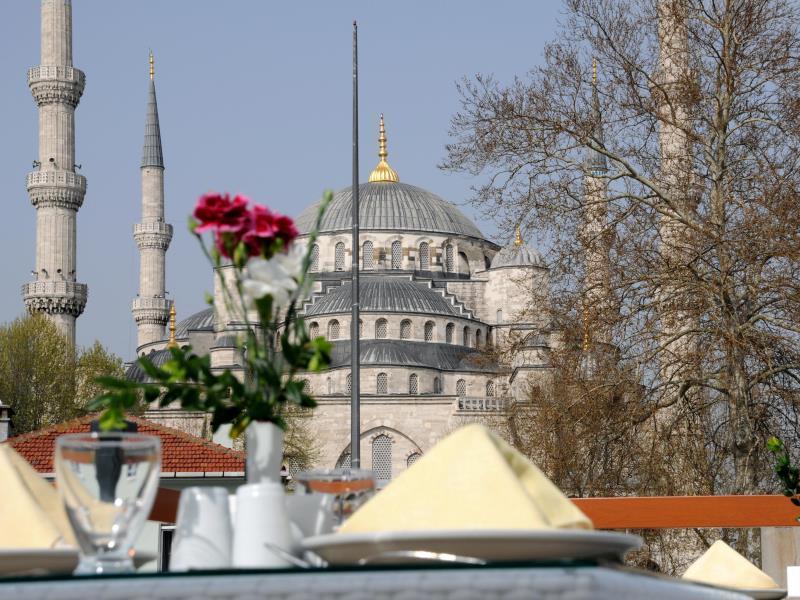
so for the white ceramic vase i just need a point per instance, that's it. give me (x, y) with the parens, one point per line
(264, 445)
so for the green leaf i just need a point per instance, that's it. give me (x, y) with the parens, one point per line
(193, 224)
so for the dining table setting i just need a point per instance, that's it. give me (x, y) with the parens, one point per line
(472, 518)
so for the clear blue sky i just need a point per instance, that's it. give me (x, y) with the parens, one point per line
(254, 97)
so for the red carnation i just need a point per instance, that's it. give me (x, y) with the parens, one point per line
(221, 214)
(266, 227)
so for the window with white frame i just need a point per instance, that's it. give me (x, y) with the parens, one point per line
(381, 327)
(424, 257)
(313, 330)
(314, 266)
(333, 330)
(405, 329)
(382, 457)
(413, 383)
(437, 385)
(499, 315)
(368, 256)
(397, 254)
(461, 388)
(382, 383)
(449, 258)
(338, 260)
(490, 388)
(449, 333)
(429, 331)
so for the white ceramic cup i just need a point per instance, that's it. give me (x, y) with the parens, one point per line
(203, 532)
(793, 582)
(261, 521)
(311, 513)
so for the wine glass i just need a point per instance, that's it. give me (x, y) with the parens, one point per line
(350, 488)
(108, 482)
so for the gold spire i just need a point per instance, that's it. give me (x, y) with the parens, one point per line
(172, 343)
(594, 72)
(152, 65)
(383, 172)
(518, 238)
(586, 338)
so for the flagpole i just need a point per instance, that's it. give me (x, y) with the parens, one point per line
(355, 352)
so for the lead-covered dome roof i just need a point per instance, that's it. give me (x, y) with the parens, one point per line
(392, 207)
(518, 254)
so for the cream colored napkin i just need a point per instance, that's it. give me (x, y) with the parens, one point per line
(722, 565)
(31, 512)
(472, 479)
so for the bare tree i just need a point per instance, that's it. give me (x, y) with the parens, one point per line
(694, 114)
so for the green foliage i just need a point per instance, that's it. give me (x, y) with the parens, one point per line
(788, 474)
(43, 378)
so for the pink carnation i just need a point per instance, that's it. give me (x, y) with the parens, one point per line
(266, 227)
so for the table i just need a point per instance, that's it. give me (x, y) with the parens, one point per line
(506, 582)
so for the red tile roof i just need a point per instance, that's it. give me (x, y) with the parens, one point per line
(181, 452)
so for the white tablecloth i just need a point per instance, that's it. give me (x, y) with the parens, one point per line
(485, 583)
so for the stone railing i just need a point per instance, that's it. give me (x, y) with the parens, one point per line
(53, 297)
(56, 178)
(55, 72)
(480, 404)
(158, 227)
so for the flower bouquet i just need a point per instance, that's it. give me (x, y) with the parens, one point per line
(263, 273)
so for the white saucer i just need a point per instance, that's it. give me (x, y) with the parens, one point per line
(760, 593)
(49, 561)
(491, 545)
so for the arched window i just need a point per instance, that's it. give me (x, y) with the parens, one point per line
(490, 388)
(348, 384)
(397, 254)
(412, 458)
(463, 263)
(361, 328)
(313, 330)
(429, 331)
(405, 329)
(306, 386)
(449, 258)
(477, 338)
(382, 384)
(499, 315)
(381, 325)
(314, 258)
(382, 457)
(461, 388)
(424, 257)
(437, 385)
(487, 261)
(449, 332)
(330, 386)
(413, 384)
(464, 337)
(333, 330)
(338, 261)
(344, 461)
(367, 256)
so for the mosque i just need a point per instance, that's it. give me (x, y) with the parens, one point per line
(435, 292)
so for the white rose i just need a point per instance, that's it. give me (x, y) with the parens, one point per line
(276, 277)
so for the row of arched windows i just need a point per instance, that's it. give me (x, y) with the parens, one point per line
(368, 256)
(406, 331)
(382, 385)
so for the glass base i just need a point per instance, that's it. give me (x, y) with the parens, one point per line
(103, 565)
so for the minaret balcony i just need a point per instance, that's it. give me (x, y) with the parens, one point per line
(152, 234)
(56, 83)
(153, 311)
(56, 187)
(55, 297)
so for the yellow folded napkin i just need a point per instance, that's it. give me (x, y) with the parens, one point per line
(472, 479)
(722, 565)
(31, 512)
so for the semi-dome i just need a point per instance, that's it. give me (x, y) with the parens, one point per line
(390, 207)
(387, 294)
(517, 254)
(199, 321)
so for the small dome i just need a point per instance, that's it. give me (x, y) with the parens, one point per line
(199, 321)
(518, 254)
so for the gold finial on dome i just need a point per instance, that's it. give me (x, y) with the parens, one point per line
(518, 238)
(172, 343)
(152, 65)
(594, 72)
(586, 337)
(383, 173)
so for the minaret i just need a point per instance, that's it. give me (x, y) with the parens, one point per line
(595, 234)
(55, 189)
(151, 308)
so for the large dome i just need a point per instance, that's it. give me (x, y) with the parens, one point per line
(390, 207)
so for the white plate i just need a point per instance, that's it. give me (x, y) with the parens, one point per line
(762, 594)
(488, 544)
(49, 561)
